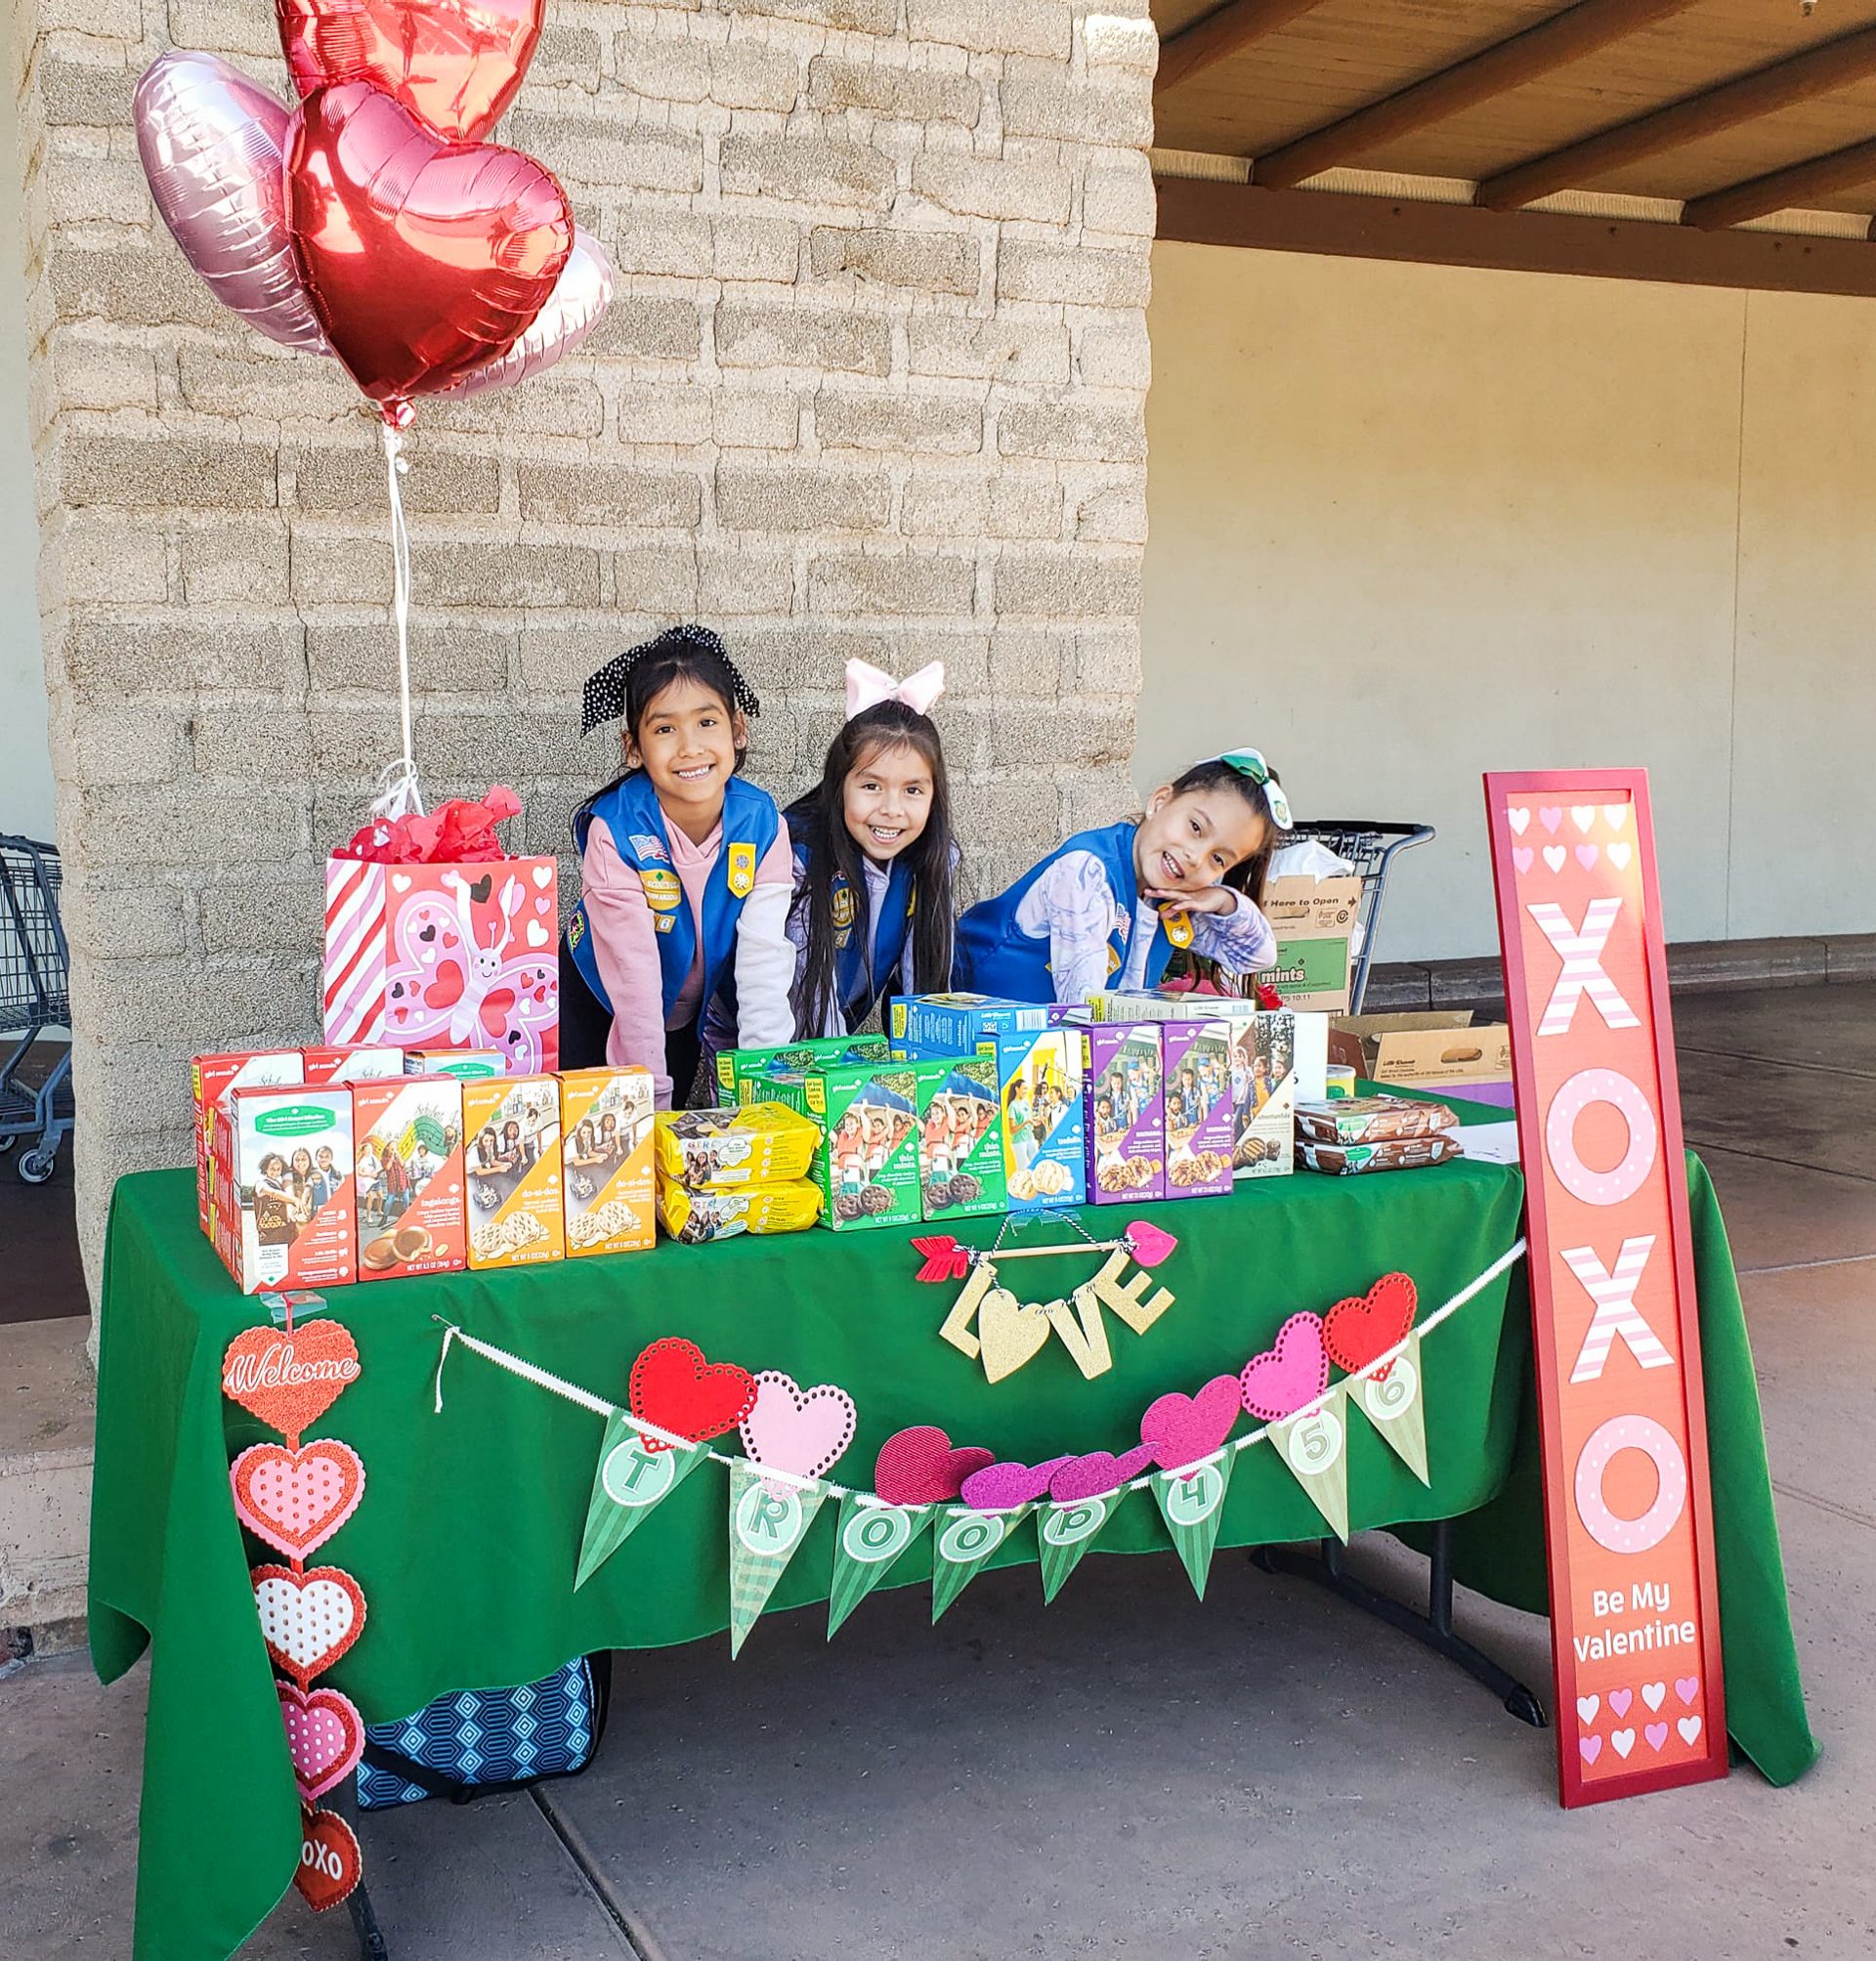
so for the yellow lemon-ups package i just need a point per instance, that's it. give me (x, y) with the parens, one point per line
(726, 1150)
(695, 1217)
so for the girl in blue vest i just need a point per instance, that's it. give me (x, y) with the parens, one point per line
(1107, 909)
(874, 857)
(685, 872)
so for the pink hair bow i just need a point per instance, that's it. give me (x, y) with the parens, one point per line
(867, 686)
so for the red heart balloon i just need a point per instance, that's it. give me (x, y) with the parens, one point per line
(1358, 1330)
(454, 68)
(673, 1387)
(424, 259)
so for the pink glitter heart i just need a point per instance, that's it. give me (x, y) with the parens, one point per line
(1099, 1471)
(1000, 1486)
(797, 1430)
(1290, 1374)
(324, 1736)
(1181, 1429)
(1147, 1243)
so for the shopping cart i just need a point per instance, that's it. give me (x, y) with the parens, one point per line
(35, 996)
(1371, 848)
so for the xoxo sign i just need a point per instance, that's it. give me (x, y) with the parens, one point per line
(1628, 1513)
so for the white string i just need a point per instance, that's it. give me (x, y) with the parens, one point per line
(399, 794)
(573, 1393)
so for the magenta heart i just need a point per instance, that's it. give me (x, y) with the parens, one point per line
(1291, 1373)
(1147, 1243)
(921, 1466)
(1656, 1733)
(1686, 1688)
(1096, 1474)
(1181, 1429)
(1619, 1700)
(1000, 1486)
(1591, 1747)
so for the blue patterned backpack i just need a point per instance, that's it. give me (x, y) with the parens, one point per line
(487, 1740)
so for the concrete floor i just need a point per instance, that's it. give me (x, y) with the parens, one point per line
(1128, 1773)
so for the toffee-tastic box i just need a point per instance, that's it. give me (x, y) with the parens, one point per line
(606, 1118)
(512, 1170)
(960, 1148)
(1125, 1074)
(411, 1216)
(1200, 1123)
(283, 1167)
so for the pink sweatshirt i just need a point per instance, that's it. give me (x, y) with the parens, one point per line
(625, 947)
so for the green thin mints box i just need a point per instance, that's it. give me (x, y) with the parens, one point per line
(868, 1163)
(741, 1073)
(961, 1149)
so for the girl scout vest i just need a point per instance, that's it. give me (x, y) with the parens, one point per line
(860, 983)
(631, 813)
(997, 957)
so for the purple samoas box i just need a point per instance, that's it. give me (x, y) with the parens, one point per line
(1126, 1112)
(1200, 1119)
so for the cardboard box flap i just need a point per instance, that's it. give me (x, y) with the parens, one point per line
(1300, 904)
(1422, 1047)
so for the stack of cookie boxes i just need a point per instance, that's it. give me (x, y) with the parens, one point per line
(320, 1167)
(735, 1169)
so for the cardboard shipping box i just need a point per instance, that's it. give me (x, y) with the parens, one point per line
(1441, 1049)
(1314, 921)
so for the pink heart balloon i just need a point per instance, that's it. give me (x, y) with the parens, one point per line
(1181, 1429)
(1096, 1474)
(1292, 1372)
(213, 147)
(574, 308)
(1147, 1243)
(793, 1428)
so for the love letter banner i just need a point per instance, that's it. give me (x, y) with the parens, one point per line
(1634, 1618)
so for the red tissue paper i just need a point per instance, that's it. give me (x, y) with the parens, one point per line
(461, 832)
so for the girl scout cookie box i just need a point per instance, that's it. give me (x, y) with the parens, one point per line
(730, 1150)
(606, 1118)
(468, 1065)
(282, 1168)
(868, 1162)
(961, 1149)
(1038, 1080)
(748, 1075)
(1200, 1119)
(696, 1218)
(1126, 1112)
(410, 1176)
(211, 1078)
(511, 1142)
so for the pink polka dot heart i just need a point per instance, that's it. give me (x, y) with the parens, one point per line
(297, 1499)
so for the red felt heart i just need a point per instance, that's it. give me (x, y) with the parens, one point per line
(920, 1466)
(330, 1864)
(456, 67)
(297, 1499)
(1356, 1331)
(289, 1380)
(424, 259)
(673, 1387)
(308, 1620)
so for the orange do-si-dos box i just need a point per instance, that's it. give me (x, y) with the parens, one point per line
(511, 1148)
(285, 1206)
(352, 1062)
(211, 1078)
(605, 1149)
(411, 1198)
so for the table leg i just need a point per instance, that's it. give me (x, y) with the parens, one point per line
(364, 1921)
(1434, 1629)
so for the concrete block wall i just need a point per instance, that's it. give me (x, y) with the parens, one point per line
(872, 383)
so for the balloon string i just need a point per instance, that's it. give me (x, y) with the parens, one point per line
(401, 796)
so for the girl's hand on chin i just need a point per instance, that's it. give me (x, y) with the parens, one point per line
(1211, 899)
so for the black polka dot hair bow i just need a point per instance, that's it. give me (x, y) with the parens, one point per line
(602, 699)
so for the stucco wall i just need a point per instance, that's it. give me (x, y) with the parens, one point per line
(872, 383)
(1410, 522)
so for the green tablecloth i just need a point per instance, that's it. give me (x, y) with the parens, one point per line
(466, 1539)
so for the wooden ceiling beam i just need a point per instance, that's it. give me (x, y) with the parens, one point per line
(1508, 65)
(1797, 185)
(1223, 32)
(1815, 72)
(1340, 225)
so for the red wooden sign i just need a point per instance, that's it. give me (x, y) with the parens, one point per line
(1635, 1617)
